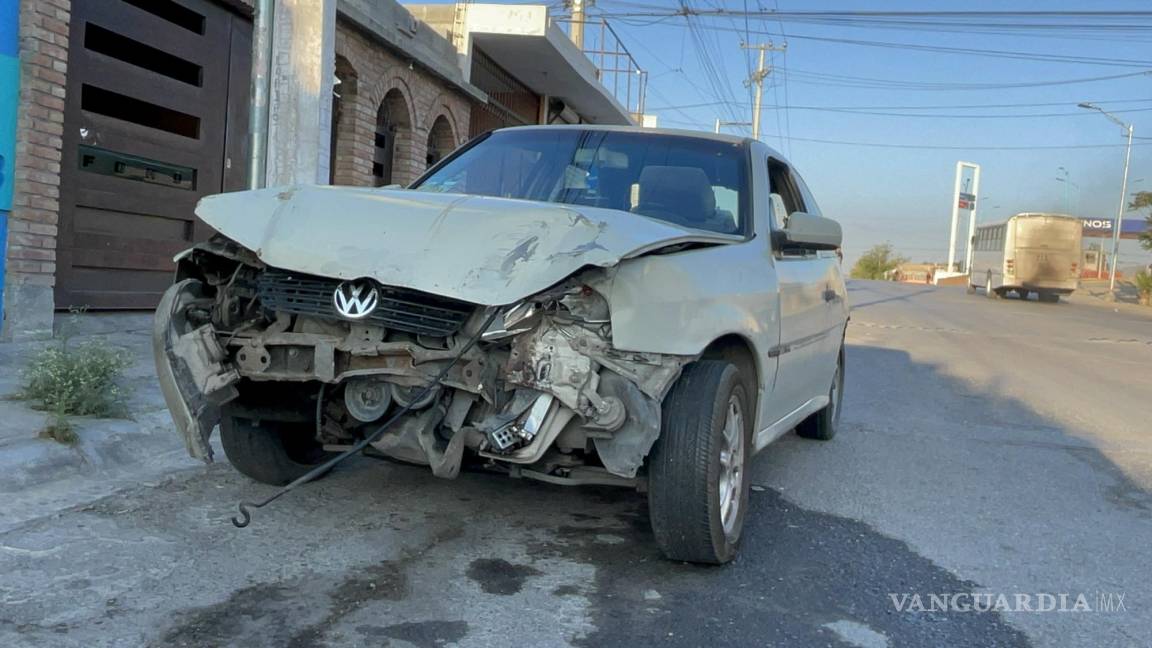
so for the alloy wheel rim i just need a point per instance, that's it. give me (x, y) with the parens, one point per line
(731, 465)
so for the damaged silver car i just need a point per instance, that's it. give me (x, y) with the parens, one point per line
(575, 305)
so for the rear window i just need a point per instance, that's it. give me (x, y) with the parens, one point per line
(694, 182)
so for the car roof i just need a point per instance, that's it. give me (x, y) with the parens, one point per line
(679, 132)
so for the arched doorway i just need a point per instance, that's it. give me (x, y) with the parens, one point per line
(441, 141)
(392, 123)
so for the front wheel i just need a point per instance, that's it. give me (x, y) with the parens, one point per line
(270, 452)
(697, 475)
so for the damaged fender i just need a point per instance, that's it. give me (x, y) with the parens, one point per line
(190, 366)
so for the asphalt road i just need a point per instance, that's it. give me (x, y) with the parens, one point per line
(987, 447)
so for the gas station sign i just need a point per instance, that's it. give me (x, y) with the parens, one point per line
(1131, 228)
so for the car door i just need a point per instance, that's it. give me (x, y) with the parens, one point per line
(806, 298)
(835, 291)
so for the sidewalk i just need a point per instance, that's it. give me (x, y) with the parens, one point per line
(1094, 292)
(39, 476)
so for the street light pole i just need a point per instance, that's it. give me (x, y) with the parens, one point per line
(1116, 226)
(1065, 181)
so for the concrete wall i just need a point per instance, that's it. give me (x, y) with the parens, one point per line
(300, 96)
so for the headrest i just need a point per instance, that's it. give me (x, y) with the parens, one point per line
(683, 190)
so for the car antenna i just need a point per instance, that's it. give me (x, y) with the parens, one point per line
(245, 517)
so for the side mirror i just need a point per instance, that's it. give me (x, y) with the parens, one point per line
(811, 232)
(803, 230)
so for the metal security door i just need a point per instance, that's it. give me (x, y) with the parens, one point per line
(154, 120)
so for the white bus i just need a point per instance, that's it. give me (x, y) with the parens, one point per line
(1030, 253)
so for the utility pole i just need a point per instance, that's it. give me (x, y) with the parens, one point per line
(579, 9)
(757, 79)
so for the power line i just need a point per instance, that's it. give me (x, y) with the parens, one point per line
(896, 84)
(658, 10)
(935, 106)
(962, 148)
(880, 113)
(1008, 54)
(942, 147)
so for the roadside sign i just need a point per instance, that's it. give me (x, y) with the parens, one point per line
(1131, 228)
(966, 201)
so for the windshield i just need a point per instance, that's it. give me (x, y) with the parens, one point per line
(697, 183)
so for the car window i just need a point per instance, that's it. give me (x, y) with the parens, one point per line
(689, 181)
(781, 182)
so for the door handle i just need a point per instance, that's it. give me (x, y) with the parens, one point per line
(830, 295)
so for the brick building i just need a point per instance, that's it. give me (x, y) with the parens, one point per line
(393, 112)
(129, 111)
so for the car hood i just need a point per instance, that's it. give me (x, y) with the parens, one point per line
(478, 249)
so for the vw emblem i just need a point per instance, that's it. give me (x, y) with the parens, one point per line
(355, 299)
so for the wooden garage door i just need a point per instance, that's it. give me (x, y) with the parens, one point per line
(156, 118)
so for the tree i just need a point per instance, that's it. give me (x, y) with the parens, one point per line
(877, 262)
(1142, 200)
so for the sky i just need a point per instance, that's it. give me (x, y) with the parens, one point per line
(903, 195)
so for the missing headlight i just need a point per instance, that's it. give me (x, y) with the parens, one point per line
(518, 318)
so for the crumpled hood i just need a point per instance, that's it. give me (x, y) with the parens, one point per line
(491, 251)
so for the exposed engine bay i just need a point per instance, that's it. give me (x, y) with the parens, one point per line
(540, 392)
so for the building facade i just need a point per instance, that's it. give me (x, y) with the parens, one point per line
(129, 111)
(393, 114)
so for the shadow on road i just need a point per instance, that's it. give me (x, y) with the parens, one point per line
(856, 287)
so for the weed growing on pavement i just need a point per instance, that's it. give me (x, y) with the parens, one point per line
(60, 431)
(69, 379)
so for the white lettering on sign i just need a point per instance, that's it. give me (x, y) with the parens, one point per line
(1097, 224)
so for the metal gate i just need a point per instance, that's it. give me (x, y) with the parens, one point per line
(510, 103)
(155, 118)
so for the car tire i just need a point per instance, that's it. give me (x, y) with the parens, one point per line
(1048, 298)
(823, 425)
(270, 452)
(697, 470)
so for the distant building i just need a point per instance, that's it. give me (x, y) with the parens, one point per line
(921, 273)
